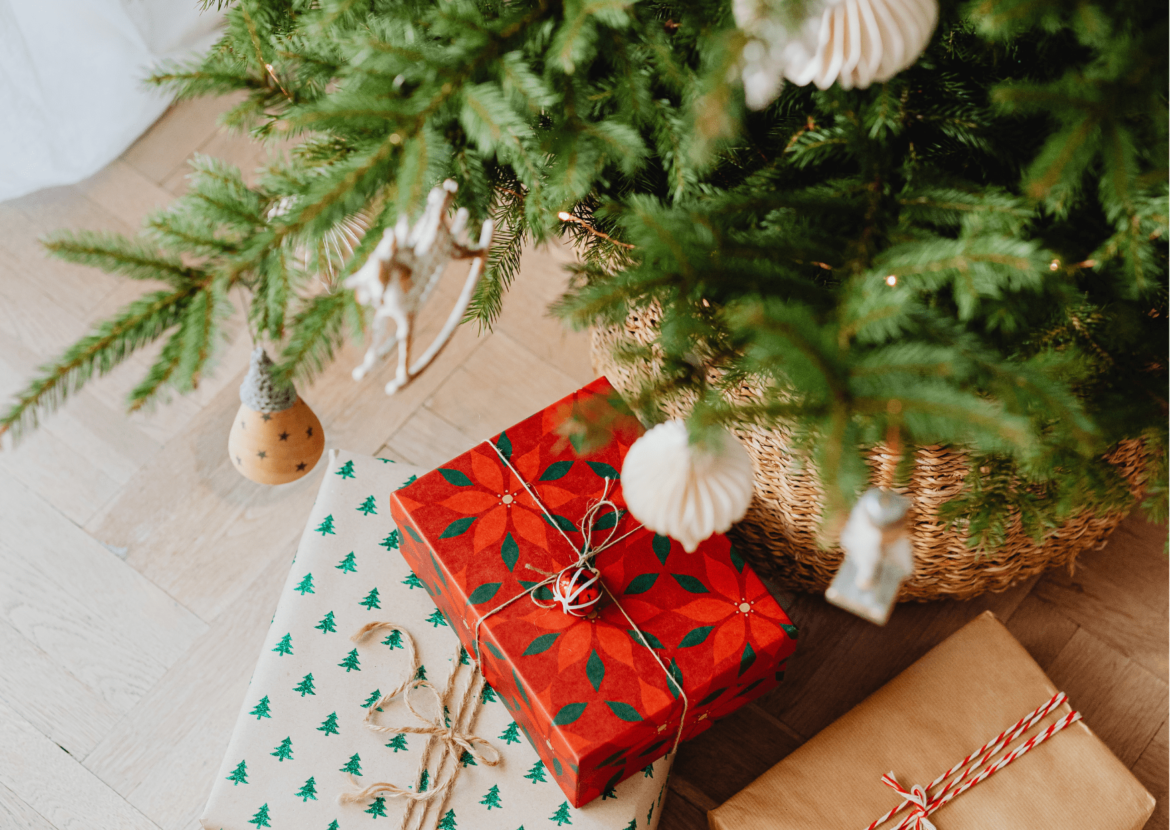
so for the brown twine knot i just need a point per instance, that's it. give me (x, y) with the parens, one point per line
(453, 738)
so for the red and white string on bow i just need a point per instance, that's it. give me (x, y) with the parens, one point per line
(922, 804)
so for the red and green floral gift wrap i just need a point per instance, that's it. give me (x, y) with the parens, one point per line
(590, 694)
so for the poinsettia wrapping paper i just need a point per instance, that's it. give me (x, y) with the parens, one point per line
(301, 725)
(591, 694)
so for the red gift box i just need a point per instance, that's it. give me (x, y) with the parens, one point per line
(588, 692)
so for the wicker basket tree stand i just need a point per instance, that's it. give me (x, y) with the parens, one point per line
(780, 533)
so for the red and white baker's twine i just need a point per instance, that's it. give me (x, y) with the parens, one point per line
(922, 804)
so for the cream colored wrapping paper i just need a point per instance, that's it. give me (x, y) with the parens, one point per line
(301, 723)
(966, 691)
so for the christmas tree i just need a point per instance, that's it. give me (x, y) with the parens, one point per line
(377, 807)
(421, 674)
(368, 506)
(467, 759)
(350, 663)
(492, 799)
(308, 790)
(329, 725)
(260, 819)
(284, 646)
(239, 774)
(610, 792)
(398, 743)
(260, 710)
(305, 687)
(436, 618)
(393, 640)
(447, 822)
(353, 766)
(333, 825)
(561, 816)
(648, 771)
(326, 526)
(306, 585)
(371, 600)
(633, 825)
(283, 752)
(488, 695)
(424, 781)
(346, 470)
(412, 581)
(391, 541)
(348, 564)
(372, 699)
(511, 735)
(326, 626)
(972, 253)
(536, 774)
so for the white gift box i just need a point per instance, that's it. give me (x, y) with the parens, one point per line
(301, 738)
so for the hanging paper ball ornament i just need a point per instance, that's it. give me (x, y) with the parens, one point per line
(683, 490)
(577, 590)
(276, 438)
(852, 43)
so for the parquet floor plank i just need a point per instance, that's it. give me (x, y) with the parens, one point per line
(1153, 770)
(164, 754)
(54, 785)
(15, 814)
(1121, 701)
(841, 658)
(96, 617)
(1119, 594)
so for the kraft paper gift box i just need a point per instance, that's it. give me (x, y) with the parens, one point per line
(962, 694)
(680, 641)
(301, 734)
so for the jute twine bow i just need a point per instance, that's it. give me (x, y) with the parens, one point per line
(923, 804)
(584, 559)
(453, 739)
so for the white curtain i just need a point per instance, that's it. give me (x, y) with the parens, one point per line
(72, 96)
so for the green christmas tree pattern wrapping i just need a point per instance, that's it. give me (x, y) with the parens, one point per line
(300, 735)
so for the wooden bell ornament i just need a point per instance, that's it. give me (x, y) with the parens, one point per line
(276, 438)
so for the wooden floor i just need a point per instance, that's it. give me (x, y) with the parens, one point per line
(138, 570)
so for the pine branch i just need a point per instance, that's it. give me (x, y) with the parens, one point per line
(114, 253)
(316, 332)
(110, 342)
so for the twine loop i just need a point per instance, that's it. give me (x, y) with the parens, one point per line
(454, 737)
(584, 559)
(916, 795)
(585, 555)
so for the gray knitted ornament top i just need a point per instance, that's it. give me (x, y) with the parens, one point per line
(260, 391)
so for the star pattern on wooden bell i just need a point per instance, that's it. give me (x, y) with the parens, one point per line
(265, 443)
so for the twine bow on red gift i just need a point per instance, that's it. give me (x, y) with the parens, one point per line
(584, 557)
(922, 804)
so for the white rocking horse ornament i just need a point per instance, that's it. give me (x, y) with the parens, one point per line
(401, 272)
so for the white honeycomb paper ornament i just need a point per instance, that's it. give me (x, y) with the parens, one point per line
(683, 490)
(853, 43)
